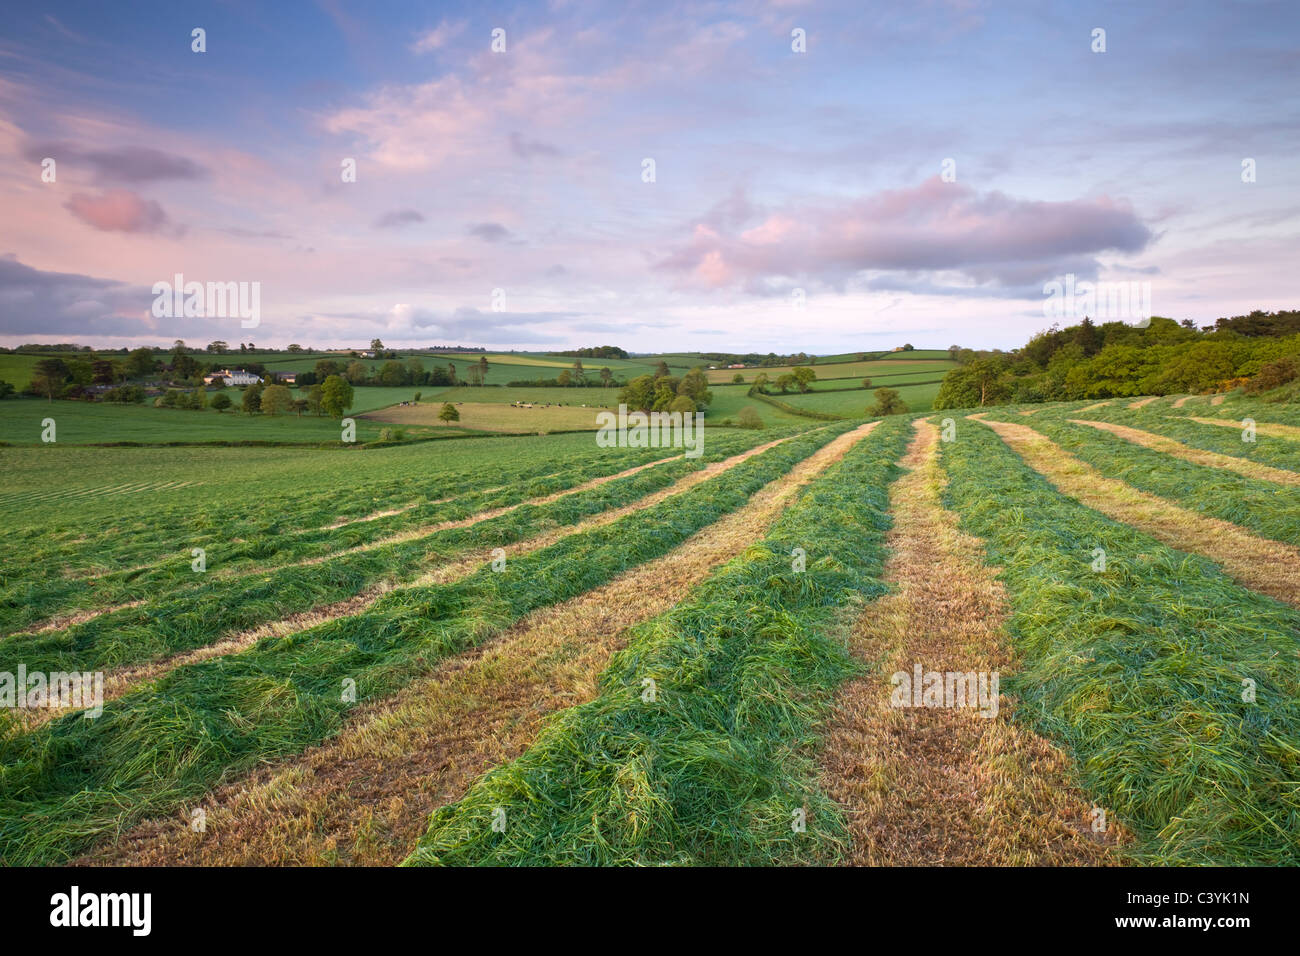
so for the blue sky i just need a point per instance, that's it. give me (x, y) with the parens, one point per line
(521, 171)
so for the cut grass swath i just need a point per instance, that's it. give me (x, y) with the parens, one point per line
(74, 781)
(221, 606)
(944, 786)
(1274, 452)
(52, 587)
(1270, 567)
(364, 796)
(1264, 507)
(1171, 446)
(1140, 670)
(716, 769)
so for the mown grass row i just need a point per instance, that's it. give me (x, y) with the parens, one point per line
(136, 528)
(716, 768)
(1279, 407)
(1267, 450)
(1139, 670)
(128, 530)
(1267, 508)
(31, 602)
(220, 606)
(73, 781)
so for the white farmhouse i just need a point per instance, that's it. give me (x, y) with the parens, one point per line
(236, 377)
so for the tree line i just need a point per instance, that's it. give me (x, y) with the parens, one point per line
(1115, 360)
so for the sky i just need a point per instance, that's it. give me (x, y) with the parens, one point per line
(712, 176)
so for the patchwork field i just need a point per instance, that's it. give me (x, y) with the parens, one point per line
(934, 368)
(849, 404)
(495, 417)
(577, 397)
(21, 423)
(531, 650)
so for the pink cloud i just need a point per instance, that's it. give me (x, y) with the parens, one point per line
(119, 210)
(935, 226)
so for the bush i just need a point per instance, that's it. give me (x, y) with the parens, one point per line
(221, 401)
(1274, 374)
(449, 413)
(125, 394)
(749, 418)
(888, 402)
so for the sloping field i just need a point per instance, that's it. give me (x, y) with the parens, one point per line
(919, 398)
(944, 786)
(78, 423)
(360, 797)
(535, 651)
(253, 511)
(502, 367)
(707, 762)
(538, 395)
(168, 742)
(482, 416)
(1175, 687)
(842, 370)
(730, 400)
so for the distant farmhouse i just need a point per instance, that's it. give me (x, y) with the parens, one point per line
(236, 377)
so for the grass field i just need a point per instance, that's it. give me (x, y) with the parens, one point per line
(533, 650)
(844, 370)
(596, 397)
(728, 400)
(482, 416)
(16, 367)
(918, 397)
(86, 423)
(502, 368)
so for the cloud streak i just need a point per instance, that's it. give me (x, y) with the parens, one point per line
(396, 218)
(932, 227)
(130, 165)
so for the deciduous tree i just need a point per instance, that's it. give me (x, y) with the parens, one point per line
(276, 399)
(336, 396)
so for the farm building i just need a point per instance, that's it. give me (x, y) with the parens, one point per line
(236, 377)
